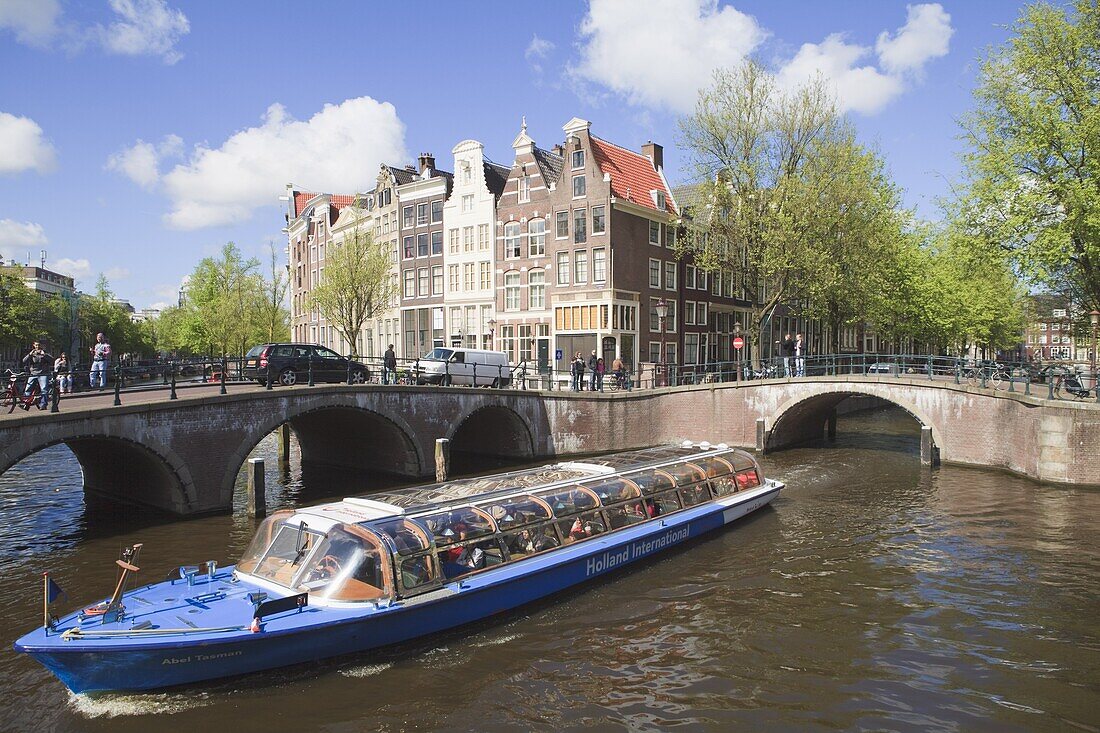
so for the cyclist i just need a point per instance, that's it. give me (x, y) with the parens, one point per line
(38, 364)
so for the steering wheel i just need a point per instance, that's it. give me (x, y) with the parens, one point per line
(327, 567)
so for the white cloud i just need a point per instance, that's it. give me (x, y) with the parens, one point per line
(141, 161)
(924, 36)
(76, 269)
(858, 88)
(338, 149)
(34, 22)
(659, 53)
(17, 238)
(145, 27)
(23, 146)
(537, 50)
(116, 273)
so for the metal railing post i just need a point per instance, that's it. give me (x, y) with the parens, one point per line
(958, 370)
(982, 371)
(929, 368)
(1027, 382)
(118, 384)
(225, 366)
(523, 376)
(1050, 386)
(349, 369)
(311, 368)
(172, 393)
(447, 373)
(269, 382)
(54, 394)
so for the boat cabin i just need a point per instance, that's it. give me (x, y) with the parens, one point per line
(406, 542)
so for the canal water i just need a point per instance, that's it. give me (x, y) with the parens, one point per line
(873, 595)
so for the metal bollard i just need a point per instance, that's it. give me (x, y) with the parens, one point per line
(269, 382)
(523, 376)
(349, 369)
(118, 384)
(55, 395)
(311, 368)
(223, 390)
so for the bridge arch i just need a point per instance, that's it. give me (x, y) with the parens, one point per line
(340, 433)
(804, 417)
(121, 470)
(490, 431)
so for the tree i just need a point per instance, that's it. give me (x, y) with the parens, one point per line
(272, 314)
(356, 282)
(782, 185)
(221, 303)
(21, 313)
(1034, 163)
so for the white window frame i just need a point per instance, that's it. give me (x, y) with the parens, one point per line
(583, 186)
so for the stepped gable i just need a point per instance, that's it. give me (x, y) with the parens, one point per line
(632, 174)
(496, 176)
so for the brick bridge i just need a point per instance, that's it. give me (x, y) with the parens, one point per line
(184, 455)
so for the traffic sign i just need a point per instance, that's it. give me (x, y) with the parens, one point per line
(738, 342)
(557, 354)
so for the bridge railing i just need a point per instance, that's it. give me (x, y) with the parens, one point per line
(1061, 380)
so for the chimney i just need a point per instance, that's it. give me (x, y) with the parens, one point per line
(655, 153)
(427, 160)
(558, 150)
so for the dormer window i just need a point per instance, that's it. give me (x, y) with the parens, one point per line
(658, 199)
(579, 187)
(578, 159)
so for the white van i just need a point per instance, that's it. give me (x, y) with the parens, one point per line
(467, 367)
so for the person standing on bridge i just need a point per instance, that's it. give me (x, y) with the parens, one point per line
(101, 358)
(788, 355)
(592, 368)
(799, 356)
(37, 362)
(576, 369)
(389, 366)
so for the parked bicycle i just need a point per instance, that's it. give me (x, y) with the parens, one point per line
(1071, 383)
(13, 395)
(993, 374)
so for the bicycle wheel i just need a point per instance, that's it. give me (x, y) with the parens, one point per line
(997, 380)
(972, 378)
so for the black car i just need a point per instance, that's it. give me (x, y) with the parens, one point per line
(289, 365)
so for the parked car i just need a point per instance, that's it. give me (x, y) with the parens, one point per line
(469, 367)
(290, 363)
(880, 367)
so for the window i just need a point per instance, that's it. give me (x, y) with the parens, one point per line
(599, 224)
(580, 266)
(486, 276)
(670, 321)
(670, 353)
(562, 230)
(421, 214)
(655, 351)
(536, 233)
(511, 239)
(670, 276)
(536, 289)
(701, 280)
(437, 242)
(655, 233)
(670, 237)
(701, 314)
(456, 320)
(689, 313)
(511, 291)
(452, 278)
(408, 244)
(467, 203)
(482, 237)
(452, 244)
(524, 189)
(579, 187)
(599, 265)
(410, 284)
(691, 348)
(437, 280)
(563, 268)
(659, 199)
(421, 245)
(467, 173)
(1055, 326)
(467, 239)
(407, 216)
(508, 340)
(468, 276)
(437, 212)
(727, 284)
(689, 277)
(580, 227)
(422, 281)
(578, 159)
(654, 273)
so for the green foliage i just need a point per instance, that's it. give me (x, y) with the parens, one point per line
(97, 313)
(356, 281)
(1034, 158)
(21, 313)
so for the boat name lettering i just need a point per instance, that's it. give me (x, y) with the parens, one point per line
(201, 658)
(609, 560)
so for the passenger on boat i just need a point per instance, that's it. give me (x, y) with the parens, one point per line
(577, 531)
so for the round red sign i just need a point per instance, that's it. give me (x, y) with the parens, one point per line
(738, 342)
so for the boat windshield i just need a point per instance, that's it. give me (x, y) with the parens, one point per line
(282, 559)
(251, 557)
(349, 564)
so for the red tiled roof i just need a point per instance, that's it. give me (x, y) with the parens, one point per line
(632, 174)
(338, 200)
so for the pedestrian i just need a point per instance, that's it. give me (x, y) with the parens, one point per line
(37, 362)
(592, 368)
(600, 369)
(788, 355)
(577, 370)
(389, 366)
(617, 370)
(101, 359)
(799, 356)
(64, 374)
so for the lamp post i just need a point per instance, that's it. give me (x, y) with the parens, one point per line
(662, 311)
(737, 334)
(492, 331)
(1094, 319)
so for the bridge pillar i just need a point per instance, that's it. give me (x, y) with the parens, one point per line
(761, 434)
(442, 459)
(257, 488)
(831, 424)
(926, 448)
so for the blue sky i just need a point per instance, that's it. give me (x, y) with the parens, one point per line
(137, 136)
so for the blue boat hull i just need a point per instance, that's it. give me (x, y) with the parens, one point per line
(298, 638)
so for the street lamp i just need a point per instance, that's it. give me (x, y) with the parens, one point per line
(662, 311)
(737, 334)
(492, 329)
(1094, 318)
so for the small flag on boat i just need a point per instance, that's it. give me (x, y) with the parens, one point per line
(53, 590)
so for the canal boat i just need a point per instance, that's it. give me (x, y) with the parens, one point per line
(364, 573)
